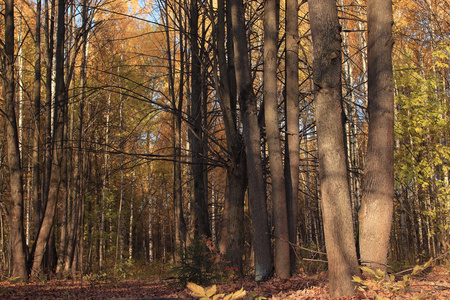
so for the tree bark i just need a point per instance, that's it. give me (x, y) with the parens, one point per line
(232, 235)
(200, 220)
(36, 156)
(280, 217)
(292, 144)
(375, 215)
(335, 191)
(16, 214)
(247, 101)
(58, 142)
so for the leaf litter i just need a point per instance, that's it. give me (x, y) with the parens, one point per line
(433, 285)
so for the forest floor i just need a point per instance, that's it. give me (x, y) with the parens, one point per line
(434, 284)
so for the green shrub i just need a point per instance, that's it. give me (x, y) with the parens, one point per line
(202, 264)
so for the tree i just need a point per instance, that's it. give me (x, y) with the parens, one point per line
(233, 232)
(200, 205)
(334, 187)
(375, 215)
(251, 134)
(16, 214)
(292, 143)
(280, 218)
(37, 192)
(58, 143)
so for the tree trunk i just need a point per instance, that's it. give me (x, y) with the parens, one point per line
(335, 191)
(247, 101)
(200, 220)
(58, 142)
(375, 215)
(16, 213)
(292, 144)
(177, 107)
(280, 218)
(232, 234)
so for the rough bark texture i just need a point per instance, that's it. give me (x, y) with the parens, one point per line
(280, 217)
(335, 192)
(292, 127)
(375, 215)
(247, 101)
(55, 178)
(16, 213)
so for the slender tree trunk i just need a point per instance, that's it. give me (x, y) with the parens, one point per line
(335, 191)
(55, 179)
(280, 217)
(375, 215)
(177, 106)
(36, 156)
(199, 209)
(247, 101)
(292, 123)
(49, 46)
(16, 213)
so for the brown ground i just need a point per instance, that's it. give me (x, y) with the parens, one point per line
(433, 285)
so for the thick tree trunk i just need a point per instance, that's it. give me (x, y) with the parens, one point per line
(247, 101)
(375, 215)
(292, 152)
(16, 213)
(280, 217)
(55, 179)
(335, 191)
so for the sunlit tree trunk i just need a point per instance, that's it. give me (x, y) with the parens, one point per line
(335, 191)
(280, 218)
(247, 101)
(16, 212)
(375, 215)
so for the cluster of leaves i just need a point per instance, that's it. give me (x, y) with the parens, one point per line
(380, 280)
(203, 264)
(210, 293)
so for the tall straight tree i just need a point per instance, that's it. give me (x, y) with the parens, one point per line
(16, 214)
(251, 133)
(37, 205)
(200, 205)
(280, 219)
(236, 169)
(375, 215)
(292, 144)
(58, 143)
(334, 187)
